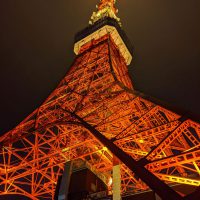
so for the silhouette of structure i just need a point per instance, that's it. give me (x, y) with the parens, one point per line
(95, 114)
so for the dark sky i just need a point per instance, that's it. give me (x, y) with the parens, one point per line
(36, 50)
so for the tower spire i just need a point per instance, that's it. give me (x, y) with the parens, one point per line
(106, 8)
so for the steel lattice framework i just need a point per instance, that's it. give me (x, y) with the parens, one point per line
(97, 89)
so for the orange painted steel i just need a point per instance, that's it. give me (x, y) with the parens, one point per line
(99, 90)
(34, 152)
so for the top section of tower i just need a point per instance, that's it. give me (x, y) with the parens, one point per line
(106, 8)
(104, 22)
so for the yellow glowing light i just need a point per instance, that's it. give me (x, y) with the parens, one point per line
(141, 141)
(65, 149)
(110, 181)
(105, 149)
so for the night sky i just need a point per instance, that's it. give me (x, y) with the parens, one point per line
(36, 50)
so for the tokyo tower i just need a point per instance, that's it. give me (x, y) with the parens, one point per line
(95, 118)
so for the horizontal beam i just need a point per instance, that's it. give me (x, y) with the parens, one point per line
(173, 161)
(176, 179)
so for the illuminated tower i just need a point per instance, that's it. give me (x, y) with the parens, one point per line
(95, 115)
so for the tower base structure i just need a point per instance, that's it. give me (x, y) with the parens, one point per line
(86, 185)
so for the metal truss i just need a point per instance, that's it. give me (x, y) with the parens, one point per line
(98, 90)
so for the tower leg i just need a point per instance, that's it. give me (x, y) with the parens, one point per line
(65, 181)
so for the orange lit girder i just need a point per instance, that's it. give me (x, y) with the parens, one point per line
(177, 179)
(188, 158)
(98, 89)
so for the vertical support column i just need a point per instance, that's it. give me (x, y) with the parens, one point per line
(116, 179)
(65, 181)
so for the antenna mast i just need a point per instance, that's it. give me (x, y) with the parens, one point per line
(106, 8)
